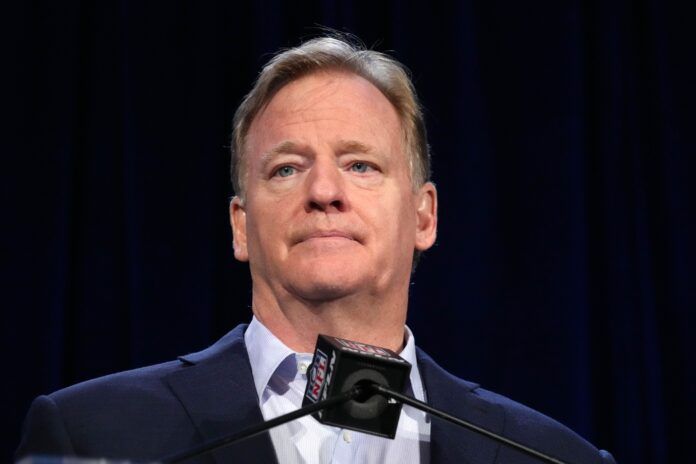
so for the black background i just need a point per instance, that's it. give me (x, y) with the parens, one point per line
(563, 151)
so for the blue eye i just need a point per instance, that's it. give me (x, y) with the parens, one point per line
(359, 167)
(285, 171)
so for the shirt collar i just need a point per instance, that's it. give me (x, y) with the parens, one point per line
(267, 352)
(409, 354)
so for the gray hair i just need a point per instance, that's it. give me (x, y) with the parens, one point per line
(335, 53)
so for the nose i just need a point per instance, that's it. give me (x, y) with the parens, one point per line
(325, 187)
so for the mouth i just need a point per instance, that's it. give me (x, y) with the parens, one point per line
(328, 235)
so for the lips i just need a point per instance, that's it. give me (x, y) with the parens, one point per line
(327, 234)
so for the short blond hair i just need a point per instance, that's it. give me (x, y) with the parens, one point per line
(343, 54)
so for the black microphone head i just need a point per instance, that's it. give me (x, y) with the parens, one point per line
(338, 366)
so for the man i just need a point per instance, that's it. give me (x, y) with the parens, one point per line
(330, 164)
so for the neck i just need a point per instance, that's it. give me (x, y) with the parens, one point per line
(363, 318)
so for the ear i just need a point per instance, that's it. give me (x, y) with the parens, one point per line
(239, 232)
(426, 216)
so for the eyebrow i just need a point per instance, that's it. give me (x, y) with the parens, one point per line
(353, 146)
(288, 147)
(285, 147)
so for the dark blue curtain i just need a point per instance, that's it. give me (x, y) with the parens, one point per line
(563, 144)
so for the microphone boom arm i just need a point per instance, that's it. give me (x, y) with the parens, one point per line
(264, 426)
(455, 420)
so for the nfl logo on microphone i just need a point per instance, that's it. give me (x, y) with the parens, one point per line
(317, 376)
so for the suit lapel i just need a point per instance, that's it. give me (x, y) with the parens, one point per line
(217, 391)
(450, 443)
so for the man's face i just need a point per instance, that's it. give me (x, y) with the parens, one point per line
(329, 206)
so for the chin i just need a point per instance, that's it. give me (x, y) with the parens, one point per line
(328, 281)
(321, 292)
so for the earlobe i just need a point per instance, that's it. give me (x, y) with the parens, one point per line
(426, 217)
(238, 223)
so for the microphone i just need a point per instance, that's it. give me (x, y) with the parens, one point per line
(338, 366)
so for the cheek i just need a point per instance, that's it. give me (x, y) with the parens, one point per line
(269, 224)
(395, 223)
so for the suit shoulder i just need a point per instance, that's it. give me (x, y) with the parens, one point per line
(138, 413)
(531, 427)
(517, 421)
(76, 419)
(148, 381)
(520, 415)
(143, 379)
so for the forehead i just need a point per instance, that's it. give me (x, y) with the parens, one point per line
(330, 104)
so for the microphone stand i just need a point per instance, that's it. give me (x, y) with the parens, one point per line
(353, 393)
(384, 391)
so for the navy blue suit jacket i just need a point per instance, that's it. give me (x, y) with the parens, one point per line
(152, 412)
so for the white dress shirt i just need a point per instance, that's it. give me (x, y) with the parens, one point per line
(280, 377)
